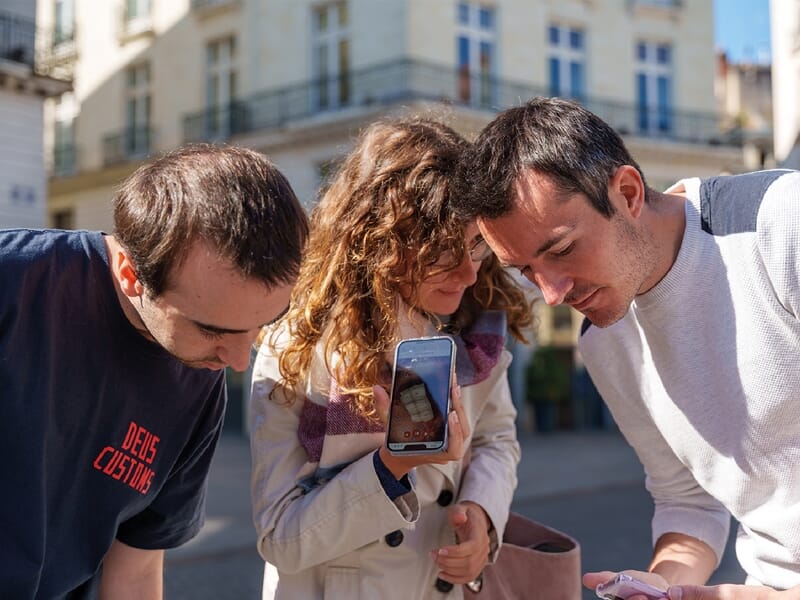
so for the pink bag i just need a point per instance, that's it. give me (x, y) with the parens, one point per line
(535, 563)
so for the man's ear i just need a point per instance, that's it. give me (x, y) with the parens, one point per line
(126, 275)
(627, 185)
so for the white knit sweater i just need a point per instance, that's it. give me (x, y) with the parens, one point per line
(702, 374)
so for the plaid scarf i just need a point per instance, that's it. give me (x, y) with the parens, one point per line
(333, 434)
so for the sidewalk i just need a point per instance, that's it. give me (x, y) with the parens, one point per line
(221, 562)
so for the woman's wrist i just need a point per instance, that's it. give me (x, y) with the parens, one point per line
(397, 468)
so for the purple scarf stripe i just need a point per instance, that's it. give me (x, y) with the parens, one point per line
(342, 417)
(311, 431)
(477, 357)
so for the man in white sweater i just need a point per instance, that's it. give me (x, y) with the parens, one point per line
(692, 305)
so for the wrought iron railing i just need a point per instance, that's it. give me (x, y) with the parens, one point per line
(132, 143)
(219, 123)
(200, 4)
(17, 39)
(406, 81)
(39, 49)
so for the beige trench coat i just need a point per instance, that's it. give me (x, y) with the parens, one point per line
(346, 539)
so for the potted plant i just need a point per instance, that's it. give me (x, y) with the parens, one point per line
(548, 380)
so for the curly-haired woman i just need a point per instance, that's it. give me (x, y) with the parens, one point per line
(337, 515)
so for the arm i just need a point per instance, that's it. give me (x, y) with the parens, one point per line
(779, 240)
(683, 510)
(131, 573)
(296, 529)
(679, 557)
(731, 592)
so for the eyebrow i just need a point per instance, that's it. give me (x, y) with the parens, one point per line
(224, 330)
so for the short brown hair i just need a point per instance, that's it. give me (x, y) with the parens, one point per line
(232, 198)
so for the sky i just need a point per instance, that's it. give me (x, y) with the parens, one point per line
(741, 28)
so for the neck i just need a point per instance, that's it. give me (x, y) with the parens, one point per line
(665, 222)
(126, 303)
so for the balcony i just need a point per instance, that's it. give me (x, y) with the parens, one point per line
(17, 39)
(388, 85)
(35, 50)
(669, 9)
(218, 124)
(132, 143)
(204, 8)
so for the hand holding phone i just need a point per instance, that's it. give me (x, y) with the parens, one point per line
(623, 586)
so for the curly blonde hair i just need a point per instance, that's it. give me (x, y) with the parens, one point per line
(384, 223)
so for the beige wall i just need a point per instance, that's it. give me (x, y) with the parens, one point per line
(173, 45)
(785, 23)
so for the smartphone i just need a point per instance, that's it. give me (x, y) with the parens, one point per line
(420, 395)
(624, 586)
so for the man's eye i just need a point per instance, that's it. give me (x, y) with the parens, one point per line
(211, 335)
(564, 251)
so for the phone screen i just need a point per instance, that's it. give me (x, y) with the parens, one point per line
(420, 395)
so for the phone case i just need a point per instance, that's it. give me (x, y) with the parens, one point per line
(624, 586)
(414, 409)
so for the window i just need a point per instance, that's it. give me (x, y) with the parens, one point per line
(137, 111)
(475, 46)
(662, 3)
(331, 56)
(64, 159)
(137, 18)
(137, 10)
(64, 219)
(654, 87)
(64, 22)
(567, 61)
(222, 117)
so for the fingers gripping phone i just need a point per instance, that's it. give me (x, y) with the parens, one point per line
(420, 395)
(624, 586)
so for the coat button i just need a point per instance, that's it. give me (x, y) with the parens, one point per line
(443, 586)
(445, 498)
(395, 538)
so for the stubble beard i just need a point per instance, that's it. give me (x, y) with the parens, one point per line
(636, 255)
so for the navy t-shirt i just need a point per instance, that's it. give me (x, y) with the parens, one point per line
(103, 434)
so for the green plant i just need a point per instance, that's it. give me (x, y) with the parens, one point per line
(548, 376)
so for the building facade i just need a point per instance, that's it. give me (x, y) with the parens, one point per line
(297, 79)
(26, 80)
(785, 25)
(744, 96)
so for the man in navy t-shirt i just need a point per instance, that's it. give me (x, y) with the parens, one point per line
(112, 357)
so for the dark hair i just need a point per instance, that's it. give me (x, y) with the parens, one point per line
(232, 198)
(558, 138)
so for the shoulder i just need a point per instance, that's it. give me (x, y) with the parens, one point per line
(58, 260)
(54, 249)
(34, 242)
(732, 204)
